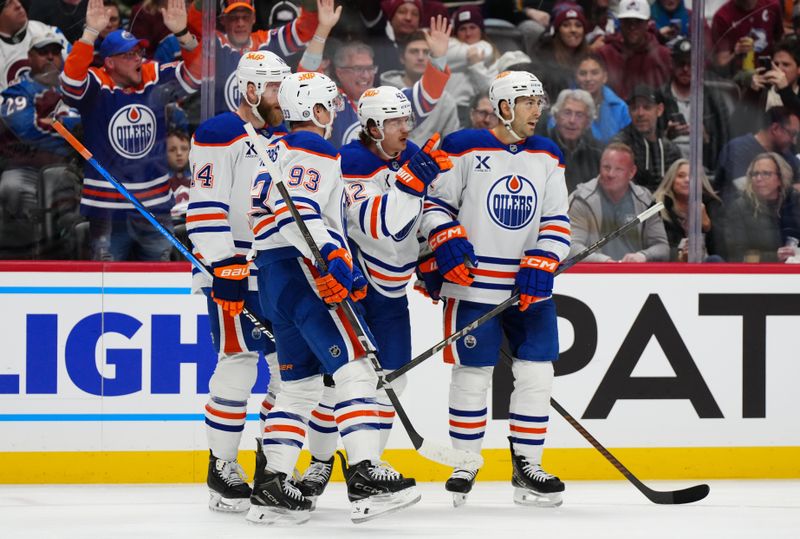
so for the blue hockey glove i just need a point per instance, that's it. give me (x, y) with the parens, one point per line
(535, 277)
(424, 166)
(429, 280)
(359, 290)
(452, 250)
(229, 285)
(334, 285)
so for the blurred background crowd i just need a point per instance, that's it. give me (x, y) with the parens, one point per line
(617, 73)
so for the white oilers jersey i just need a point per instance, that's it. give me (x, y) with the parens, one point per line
(509, 198)
(309, 168)
(223, 163)
(382, 220)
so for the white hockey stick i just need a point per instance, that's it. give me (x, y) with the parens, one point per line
(436, 452)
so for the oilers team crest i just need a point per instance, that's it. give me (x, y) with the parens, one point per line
(232, 92)
(132, 131)
(512, 201)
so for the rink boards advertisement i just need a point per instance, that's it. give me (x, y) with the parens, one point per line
(681, 371)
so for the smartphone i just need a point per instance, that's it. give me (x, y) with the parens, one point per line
(764, 62)
(677, 117)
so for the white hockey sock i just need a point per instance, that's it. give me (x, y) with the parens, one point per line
(386, 411)
(226, 409)
(272, 390)
(356, 410)
(285, 426)
(322, 432)
(468, 389)
(530, 406)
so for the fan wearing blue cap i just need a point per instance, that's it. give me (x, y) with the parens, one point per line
(122, 106)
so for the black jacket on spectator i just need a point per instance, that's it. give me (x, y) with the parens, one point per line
(715, 242)
(652, 158)
(757, 237)
(715, 121)
(68, 18)
(582, 163)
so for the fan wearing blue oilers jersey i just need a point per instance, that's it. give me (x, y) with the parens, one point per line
(312, 334)
(223, 163)
(386, 177)
(497, 222)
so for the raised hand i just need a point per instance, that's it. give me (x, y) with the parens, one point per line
(97, 15)
(438, 35)
(174, 15)
(328, 13)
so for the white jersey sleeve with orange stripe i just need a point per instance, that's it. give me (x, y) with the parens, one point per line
(509, 198)
(223, 164)
(309, 168)
(382, 219)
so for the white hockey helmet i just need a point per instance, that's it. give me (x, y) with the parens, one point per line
(508, 86)
(381, 104)
(299, 93)
(260, 68)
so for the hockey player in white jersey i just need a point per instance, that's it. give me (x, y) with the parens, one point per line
(312, 338)
(386, 177)
(502, 209)
(223, 165)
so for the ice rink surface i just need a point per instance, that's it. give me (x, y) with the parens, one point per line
(592, 509)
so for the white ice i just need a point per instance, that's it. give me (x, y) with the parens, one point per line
(591, 510)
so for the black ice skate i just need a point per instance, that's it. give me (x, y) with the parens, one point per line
(227, 486)
(316, 478)
(460, 484)
(534, 486)
(377, 489)
(275, 499)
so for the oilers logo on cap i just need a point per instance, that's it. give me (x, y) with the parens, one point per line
(132, 131)
(512, 202)
(232, 92)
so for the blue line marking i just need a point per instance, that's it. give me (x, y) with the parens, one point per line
(109, 417)
(109, 290)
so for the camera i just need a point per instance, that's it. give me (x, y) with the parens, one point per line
(677, 117)
(764, 62)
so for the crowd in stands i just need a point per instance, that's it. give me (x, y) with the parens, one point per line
(125, 77)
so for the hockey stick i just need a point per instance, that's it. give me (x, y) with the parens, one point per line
(669, 497)
(438, 453)
(86, 154)
(564, 266)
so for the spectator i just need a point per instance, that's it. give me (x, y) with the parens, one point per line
(469, 56)
(602, 205)
(778, 134)
(560, 52)
(531, 17)
(481, 113)
(122, 106)
(671, 18)
(403, 18)
(676, 94)
(66, 15)
(16, 35)
(274, 13)
(742, 30)
(654, 152)
(180, 175)
(674, 193)
(765, 214)
(238, 37)
(600, 20)
(354, 70)
(29, 143)
(573, 113)
(612, 112)
(778, 86)
(443, 119)
(146, 22)
(635, 56)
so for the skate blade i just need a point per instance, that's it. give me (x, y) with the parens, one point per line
(277, 516)
(227, 505)
(523, 496)
(459, 499)
(383, 504)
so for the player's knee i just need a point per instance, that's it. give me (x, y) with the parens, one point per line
(355, 379)
(300, 396)
(234, 376)
(398, 384)
(532, 375)
(274, 373)
(471, 379)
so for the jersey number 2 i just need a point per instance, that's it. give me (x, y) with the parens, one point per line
(204, 177)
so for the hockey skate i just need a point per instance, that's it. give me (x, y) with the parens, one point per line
(275, 499)
(227, 486)
(460, 484)
(534, 486)
(316, 478)
(376, 489)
